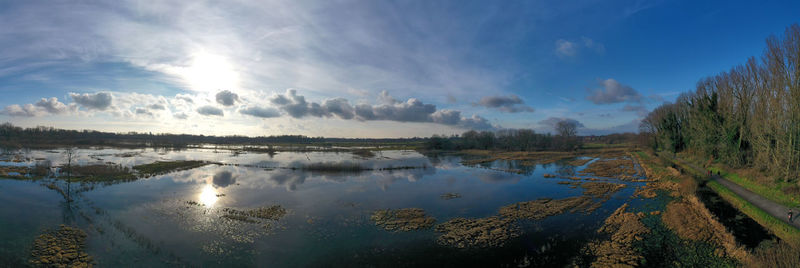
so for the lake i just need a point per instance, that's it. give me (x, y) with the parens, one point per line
(199, 217)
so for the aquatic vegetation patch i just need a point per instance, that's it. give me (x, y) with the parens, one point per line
(275, 213)
(524, 158)
(600, 189)
(13, 172)
(164, 167)
(64, 247)
(100, 173)
(449, 196)
(623, 229)
(690, 219)
(578, 162)
(365, 153)
(404, 219)
(546, 207)
(483, 232)
(621, 168)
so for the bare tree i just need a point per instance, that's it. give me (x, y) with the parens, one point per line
(69, 155)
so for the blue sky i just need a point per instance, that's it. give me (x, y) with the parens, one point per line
(365, 68)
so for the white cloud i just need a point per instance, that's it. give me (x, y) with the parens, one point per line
(614, 92)
(566, 48)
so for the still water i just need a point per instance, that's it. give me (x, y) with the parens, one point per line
(176, 219)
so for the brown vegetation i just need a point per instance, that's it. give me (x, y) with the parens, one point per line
(601, 189)
(405, 219)
(578, 162)
(623, 228)
(62, 248)
(546, 207)
(484, 232)
(621, 168)
(690, 219)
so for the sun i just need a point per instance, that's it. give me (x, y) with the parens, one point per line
(210, 72)
(208, 196)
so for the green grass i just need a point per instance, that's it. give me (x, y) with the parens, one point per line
(163, 167)
(776, 226)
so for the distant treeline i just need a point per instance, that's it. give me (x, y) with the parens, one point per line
(509, 140)
(46, 137)
(746, 117)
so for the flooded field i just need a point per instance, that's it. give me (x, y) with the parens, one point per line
(203, 207)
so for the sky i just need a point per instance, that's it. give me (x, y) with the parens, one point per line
(365, 68)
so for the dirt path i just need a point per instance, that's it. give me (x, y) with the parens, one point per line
(776, 210)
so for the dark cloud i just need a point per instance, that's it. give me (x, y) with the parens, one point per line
(630, 127)
(390, 109)
(640, 110)
(96, 101)
(184, 97)
(339, 107)
(552, 121)
(223, 178)
(614, 92)
(227, 98)
(210, 110)
(157, 106)
(260, 112)
(181, 116)
(143, 111)
(510, 104)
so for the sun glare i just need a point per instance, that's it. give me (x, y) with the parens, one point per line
(208, 196)
(209, 72)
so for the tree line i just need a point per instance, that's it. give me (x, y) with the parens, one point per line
(510, 140)
(46, 137)
(748, 116)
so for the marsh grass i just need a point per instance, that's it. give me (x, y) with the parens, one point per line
(164, 167)
(101, 173)
(365, 153)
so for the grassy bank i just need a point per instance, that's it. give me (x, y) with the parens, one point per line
(776, 226)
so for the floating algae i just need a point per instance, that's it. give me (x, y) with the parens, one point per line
(484, 232)
(62, 248)
(405, 219)
(449, 196)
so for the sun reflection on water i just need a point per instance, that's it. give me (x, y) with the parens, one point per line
(208, 196)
